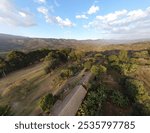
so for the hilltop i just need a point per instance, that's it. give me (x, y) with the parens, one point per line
(12, 42)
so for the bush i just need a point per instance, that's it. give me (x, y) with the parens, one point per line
(123, 68)
(16, 60)
(66, 73)
(119, 99)
(88, 65)
(123, 56)
(51, 65)
(98, 55)
(141, 54)
(102, 69)
(93, 102)
(136, 91)
(47, 102)
(98, 69)
(113, 58)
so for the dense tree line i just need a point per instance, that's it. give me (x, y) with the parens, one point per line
(15, 60)
(55, 58)
(138, 95)
(93, 103)
(122, 63)
(59, 57)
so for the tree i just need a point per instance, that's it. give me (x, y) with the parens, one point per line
(98, 55)
(119, 99)
(95, 70)
(16, 60)
(72, 56)
(141, 54)
(51, 65)
(102, 69)
(136, 90)
(47, 102)
(98, 69)
(88, 65)
(113, 58)
(123, 56)
(3, 67)
(66, 73)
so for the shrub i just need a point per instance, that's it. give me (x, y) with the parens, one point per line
(141, 54)
(119, 99)
(98, 55)
(113, 58)
(88, 65)
(66, 73)
(47, 102)
(93, 102)
(98, 69)
(102, 69)
(123, 56)
(123, 68)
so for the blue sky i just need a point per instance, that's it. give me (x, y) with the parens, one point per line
(76, 19)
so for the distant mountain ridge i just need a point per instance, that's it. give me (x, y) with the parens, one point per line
(13, 42)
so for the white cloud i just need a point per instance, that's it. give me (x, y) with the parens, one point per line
(52, 19)
(11, 15)
(45, 12)
(112, 16)
(41, 1)
(135, 22)
(64, 23)
(81, 17)
(23, 14)
(42, 10)
(93, 9)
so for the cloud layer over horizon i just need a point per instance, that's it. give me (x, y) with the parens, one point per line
(124, 22)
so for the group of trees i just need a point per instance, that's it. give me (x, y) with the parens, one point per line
(141, 54)
(98, 94)
(97, 70)
(15, 60)
(71, 70)
(119, 99)
(138, 95)
(93, 103)
(122, 63)
(58, 57)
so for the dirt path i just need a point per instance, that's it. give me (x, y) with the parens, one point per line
(18, 76)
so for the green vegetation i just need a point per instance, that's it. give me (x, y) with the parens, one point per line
(15, 60)
(88, 65)
(47, 102)
(113, 58)
(98, 69)
(119, 86)
(141, 54)
(118, 99)
(93, 102)
(5, 110)
(137, 93)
